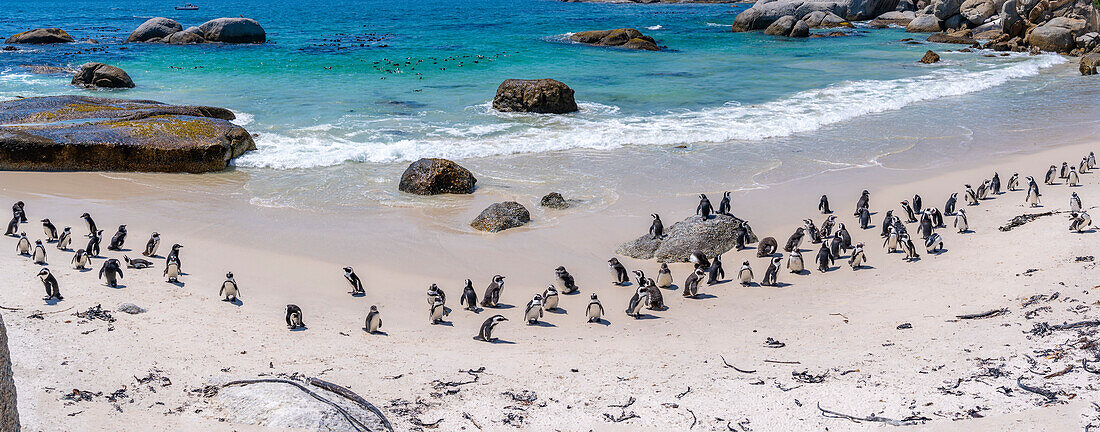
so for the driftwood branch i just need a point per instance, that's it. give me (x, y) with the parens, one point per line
(469, 417)
(350, 395)
(782, 362)
(1049, 395)
(1085, 366)
(986, 314)
(694, 420)
(735, 367)
(872, 418)
(1076, 325)
(358, 425)
(623, 416)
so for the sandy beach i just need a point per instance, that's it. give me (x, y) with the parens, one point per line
(843, 350)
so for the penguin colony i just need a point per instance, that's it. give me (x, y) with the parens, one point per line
(834, 238)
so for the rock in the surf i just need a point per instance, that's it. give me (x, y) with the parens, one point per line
(40, 36)
(1057, 35)
(39, 134)
(9, 412)
(554, 200)
(714, 236)
(189, 36)
(233, 30)
(546, 96)
(788, 26)
(433, 176)
(624, 37)
(963, 37)
(764, 13)
(1089, 64)
(924, 24)
(154, 29)
(501, 216)
(101, 75)
(930, 57)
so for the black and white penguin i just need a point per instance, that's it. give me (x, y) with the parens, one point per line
(864, 218)
(657, 228)
(812, 231)
(468, 297)
(767, 247)
(910, 217)
(909, 248)
(836, 246)
(715, 272)
(39, 254)
(229, 290)
(1074, 203)
(152, 245)
(50, 283)
(619, 275)
(704, 209)
(933, 243)
(93, 243)
(374, 320)
(1092, 160)
(172, 271)
(1064, 172)
(844, 236)
(995, 184)
(1032, 193)
(960, 221)
(1072, 179)
(724, 205)
(639, 277)
(137, 263)
(795, 263)
(824, 259)
(356, 283)
(637, 302)
(434, 293)
(1051, 174)
(533, 311)
(771, 275)
(745, 274)
(858, 257)
(112, 271)
(949, 208)
(118, 239)
(80, 259)
(550, 298)
(65, 239)
(863, 202)
(437, 311)
(1014, 182)
(983, 190)
(918, 203)
(13, 226)
(664, 277)
(49, 229)
(655, 300)
(937, 217)
(795, 240)
(493, 291)
(564, 281)
(1079, 221)
(294, 317)
(691, 285)
(823, 205)
(892, 239)
(699, 259)
(827, 226)
(1083, 167)
(485, 333)
(23, 247)
(594, 312)
(18, 210)
(971, 196)
(887, 222)
(925, 228)
(92, 230)
(174, 255)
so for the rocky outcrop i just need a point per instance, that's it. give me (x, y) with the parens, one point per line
(823, 19)
(1057, 35)
(546, 96)
(963, 37)
(713, 236)
(1089, 64)
(501, 216)
(154, 29)
(9, 412)
(765, 12)
(788, 26)
(119, 135)
(898, 18)
(40, 36)
(233, 30)
(979, 11)
(183, 38)
(930, 57)
(624, 37)
(554, 200)
(436, 176)
(101, 75)
(924, 24)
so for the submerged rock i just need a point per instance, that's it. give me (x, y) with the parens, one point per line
(624, 37)
(41, 36)
(9, 412)
(118, 135)
(101, 75)
(554, 200)
(501, 216)
(184, 37)
(930, 57)
(714, 236)
(154, 29)
(545, 96)
(233, 30)
(433, 176)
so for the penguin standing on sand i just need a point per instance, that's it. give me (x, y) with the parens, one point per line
(824, 259)
(864, 218)
(995, 184)
(373, 321)
(564, 281)
(534, 310)
(619, 275)
(92, 230)
(1092, 160)
(795, 240)
(137, 263)
(917, 204)
(1073, 180)
(80, 260)
(174, 255)
(960, 221)
(933, 243)
(858, 257)
(594, 312)
(937, 217)
(172, 271)
(887, 222)
(836, 245)
(19, 211)
(1051, 173)
(657, 228)
(863, 202)
(50, 283)
(745, 275)
(437, 311)
(112, 271)
(699, 259)
(550, 298)
(229, 291)
(664, 277)
(891, 243)
(118, 239)
(485, 333)
(356, 283)
(65, 239)
(49, 229)
(724, 205)
(654, 299)
(152, 246)
(771, 275)
(1074, 203)
(637, 301)
(949, 208)
(1032, 193)
(910, 217)
(925, 228)
(823, 205)
(715, 272)
(794, 262)
(493, 291)
(1079, 221)
(1014, 182)
(468, 297)
(971, 196)
(844, 236)
(704, 209)
(294, 317)
(691, 285)
(434, 293)
(827, 226)
(1083, 167)
(39, 254)
(23, 247)
(811, 231)
(909, 248)
(983, 190)
(1064, 172)
(13, 226)
(93, 243)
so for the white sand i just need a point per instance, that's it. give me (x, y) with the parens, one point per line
(841, 324)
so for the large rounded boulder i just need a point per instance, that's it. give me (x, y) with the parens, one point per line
(101, 75)
(545, 96)
(788, 26)
(712, 237)
(233, 30)
(40, 36)
(501, 216)
(436, 176)
(624, 37)
(924, 24)
(1057, 35)
(154, 29)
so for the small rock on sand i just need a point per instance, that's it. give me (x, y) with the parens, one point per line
(554, 200)
(433, 176)
(131, 308)
(501, 216)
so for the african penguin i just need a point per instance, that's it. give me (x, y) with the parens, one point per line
(93, 243)
(80, 259)
(50, 283)
(909, 248)
(111, 271)
(39, 255)
(657, 228)
(619, 275)
(864, 218)
(863, 202)
(995, 184)
(564, 281)
(664, 276)
(437, 311)
(971, 196)
(637, 301)
(353, 279)
(891, 243)
(550, 298)
(13, 227)
(704, 209)
(92, 230)
(534, 310)
(724, 205)
(493, 291)
(434, 293)
(1073, 180)
(1079, 221)
(485, 333)
(691, 285)
(824, 259)
(137, 263)
(294, 317)
(23, 247)
(794, 262)
(960, 221)
(795, 240)
(745, 275)
(909, 216)
(373, 321)
(767, 247)
(858, 257)
(1014, 182)
(229, 290)
(655, 299)
(50, 230)
(152, 245)
(595, 309)
(174, 255)
(917, 203)
(469, 297)
(772, 273)
(18, 210)
(172, 271)
(1074, 203)
(715, 272)
(699, 259)
(118, 239)
(949, 208)
(823, 205)
(1051, 173)
(933, 243)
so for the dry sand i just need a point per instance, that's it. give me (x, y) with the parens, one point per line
(842, 325)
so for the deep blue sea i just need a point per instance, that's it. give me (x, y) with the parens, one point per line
(362, 87)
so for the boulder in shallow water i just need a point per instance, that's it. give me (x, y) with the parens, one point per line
(501, 216)
(546, 96)
(624, 37)
(1089, 64)
(554, 200)
(233, 30)
(434, 176)
(39, 134)
(41, 36)
(101, 75)
(924, 24)
(714, 236)
(963, 37)
(788, 26)
(930, 57)
(154, 29)
(764, 13)
(183, 38)
(825, 19)
(9, 412)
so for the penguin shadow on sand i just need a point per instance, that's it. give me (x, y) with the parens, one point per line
(376, 332)
(803, 272)
(357, 294)
(117, 286)
(299, 329)
(556, 311)
(495, 341)
(235, 302)
(178, 283)
(51, 301)
(703, 296)
(501, 306)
